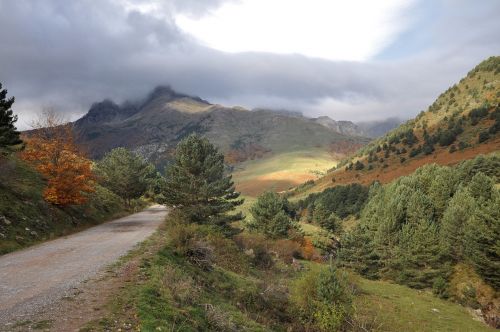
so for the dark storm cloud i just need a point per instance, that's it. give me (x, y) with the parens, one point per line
(68, 54)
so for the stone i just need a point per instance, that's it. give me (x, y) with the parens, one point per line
(5, 220)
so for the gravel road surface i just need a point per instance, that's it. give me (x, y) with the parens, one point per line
(35, 278)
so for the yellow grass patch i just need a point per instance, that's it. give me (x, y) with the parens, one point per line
(282, 171)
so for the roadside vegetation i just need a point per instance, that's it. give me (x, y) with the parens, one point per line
(213, 271)
(49, 188)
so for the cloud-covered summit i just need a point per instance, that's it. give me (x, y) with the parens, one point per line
(68, 54)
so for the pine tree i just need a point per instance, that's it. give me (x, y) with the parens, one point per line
(269, 216)
(418, 260)
(197, 184)
(482, 238)
(125, 174)
(326, 219)
(460, 209)
(9, 136)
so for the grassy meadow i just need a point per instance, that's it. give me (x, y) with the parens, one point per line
(282, 171)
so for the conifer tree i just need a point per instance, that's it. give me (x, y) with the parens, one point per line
(125, 174)
(460, 209)
(326, 219)
(482, 237)
(197, 184)
(9, 136)
(269, 216)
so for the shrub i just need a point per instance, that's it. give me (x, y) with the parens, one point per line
(477, 114)
(462, 145)
(181, 287)
(201, 254)
(427, 149)
(257, 247)
(227, 254)
(219, 319)
(180, 233)
(440, 288)
(414, 152)
(323, 299)
(287, 250)
(483, 136)
(359, 166)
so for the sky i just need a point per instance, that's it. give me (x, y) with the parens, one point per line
(358, 60)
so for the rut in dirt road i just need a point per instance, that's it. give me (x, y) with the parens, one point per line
(35, 278)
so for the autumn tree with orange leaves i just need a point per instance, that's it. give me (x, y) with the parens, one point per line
(51, 149)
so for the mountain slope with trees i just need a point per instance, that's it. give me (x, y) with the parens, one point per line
(463, 122)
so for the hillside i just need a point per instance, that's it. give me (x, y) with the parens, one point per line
(154, 125)
(26, 218)
(463, 122)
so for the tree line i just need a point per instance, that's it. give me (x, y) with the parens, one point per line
(415, 229)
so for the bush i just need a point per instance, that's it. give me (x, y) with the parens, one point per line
(415, 152)
(201, 254)
(462, 145)
(219, 319)
(287, 250)
(257, 247)
(181, 287)
(483, 136)
(180, 233)
(477, 114)
(359, 165)
(440, 288)
(187, 240)
(323, 299)
(227, 254)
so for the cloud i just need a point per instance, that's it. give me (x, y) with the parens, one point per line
(68, 54)
(334, 30)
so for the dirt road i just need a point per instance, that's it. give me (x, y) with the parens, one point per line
(35, 278)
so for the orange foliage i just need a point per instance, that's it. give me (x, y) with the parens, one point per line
(51, 149)
(308, 251)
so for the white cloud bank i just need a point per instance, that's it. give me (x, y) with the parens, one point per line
(352, 30)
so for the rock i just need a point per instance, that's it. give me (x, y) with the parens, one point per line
(5, 220)
(33, 233)
(250, 253)
(27, 229)
(19, 238)
(435, 310)
(2, 235)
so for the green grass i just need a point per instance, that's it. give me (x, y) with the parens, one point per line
(310, 229)
(399, 308)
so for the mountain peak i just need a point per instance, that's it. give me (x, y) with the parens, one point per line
(166, 93)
